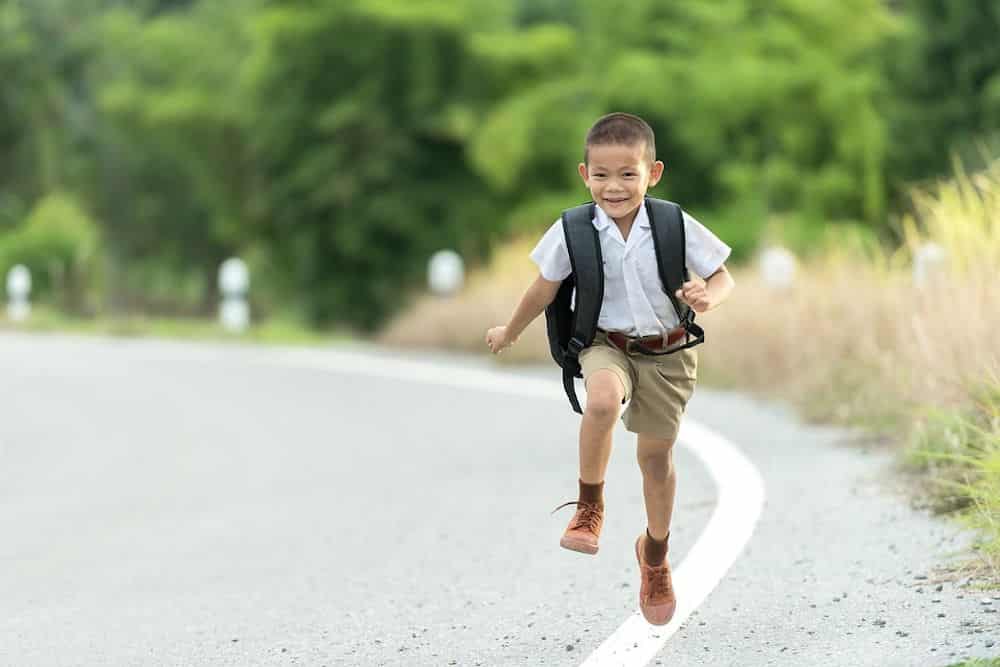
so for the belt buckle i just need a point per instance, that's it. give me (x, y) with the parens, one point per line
(641, 340)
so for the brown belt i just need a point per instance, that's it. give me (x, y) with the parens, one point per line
(621, 341)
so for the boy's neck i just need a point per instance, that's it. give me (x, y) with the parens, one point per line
(625, 224)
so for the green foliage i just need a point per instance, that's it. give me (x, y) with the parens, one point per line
(751, 102)
(367, 174)
(60, 245)
(176, 133)
(341, 142)
(530, 12)
(39, 58)
(740, 224)
(946, 75)
(961, 451)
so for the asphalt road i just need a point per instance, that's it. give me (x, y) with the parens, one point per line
(196, 504)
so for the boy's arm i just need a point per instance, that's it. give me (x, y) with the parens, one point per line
(539, 295)
(714, 292)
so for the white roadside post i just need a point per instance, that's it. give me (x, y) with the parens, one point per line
(234, 281)
(18, 290)
(445, 273)
(930, 262)
(777, 267)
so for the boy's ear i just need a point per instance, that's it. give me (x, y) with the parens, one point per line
(655, 173)
(583, 171)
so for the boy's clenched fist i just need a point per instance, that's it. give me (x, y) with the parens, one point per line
(694, 294)
(497, 339)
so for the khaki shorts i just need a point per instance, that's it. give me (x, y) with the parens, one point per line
(657, 388)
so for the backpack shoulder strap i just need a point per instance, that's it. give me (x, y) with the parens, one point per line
(666, 220)
(585, 258)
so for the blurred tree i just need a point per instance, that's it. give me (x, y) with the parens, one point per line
(530, 12)
(360, 130)
(39, 66)
(174, 142)
(16, 181)
(947, 80)
(60, 244)
(340, 142)
(773, 106)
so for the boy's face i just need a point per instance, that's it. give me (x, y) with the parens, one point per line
(618, 176)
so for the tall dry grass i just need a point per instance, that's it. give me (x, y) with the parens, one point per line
(488, 299)
(854, 339)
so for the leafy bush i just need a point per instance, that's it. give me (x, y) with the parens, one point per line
(60, 245)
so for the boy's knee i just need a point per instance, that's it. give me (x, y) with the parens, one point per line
(603, 406)
(604, 395)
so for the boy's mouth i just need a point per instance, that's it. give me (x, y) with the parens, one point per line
(616, 200)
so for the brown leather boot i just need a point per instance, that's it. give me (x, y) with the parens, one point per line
(584, 528)
(656, 591)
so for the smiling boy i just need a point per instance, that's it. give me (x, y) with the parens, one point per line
(619, 166)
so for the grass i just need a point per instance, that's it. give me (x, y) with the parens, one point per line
(274, 331)
(854, 341)
(460, 322)
(958, 454)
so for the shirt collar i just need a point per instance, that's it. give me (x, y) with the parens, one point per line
(642, 217)
(602, 219)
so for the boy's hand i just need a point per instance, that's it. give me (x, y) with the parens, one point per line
(497, 339)
(694, 294)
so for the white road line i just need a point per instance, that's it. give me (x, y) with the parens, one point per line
(740, 499)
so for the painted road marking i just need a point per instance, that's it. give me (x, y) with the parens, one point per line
(739, 505)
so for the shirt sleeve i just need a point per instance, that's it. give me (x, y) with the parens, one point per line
(705, 252)
(551, 254)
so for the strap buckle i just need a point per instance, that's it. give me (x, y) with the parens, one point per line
(574, 347)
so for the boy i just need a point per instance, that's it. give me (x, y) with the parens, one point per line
(619, 166)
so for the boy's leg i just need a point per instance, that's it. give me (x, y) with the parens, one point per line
(604, 398)
(654, 414)
(659, 483)
(608, 383)
(605, 394)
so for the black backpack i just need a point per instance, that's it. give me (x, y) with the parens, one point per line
(571, 330)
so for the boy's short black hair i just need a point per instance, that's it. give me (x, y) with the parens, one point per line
(621, 129)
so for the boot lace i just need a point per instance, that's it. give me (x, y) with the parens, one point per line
(588, 515)
(659, 580)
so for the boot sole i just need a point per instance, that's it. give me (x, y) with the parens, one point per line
(576, 545)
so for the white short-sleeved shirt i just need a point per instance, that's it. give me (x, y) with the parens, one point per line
(634, 300)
